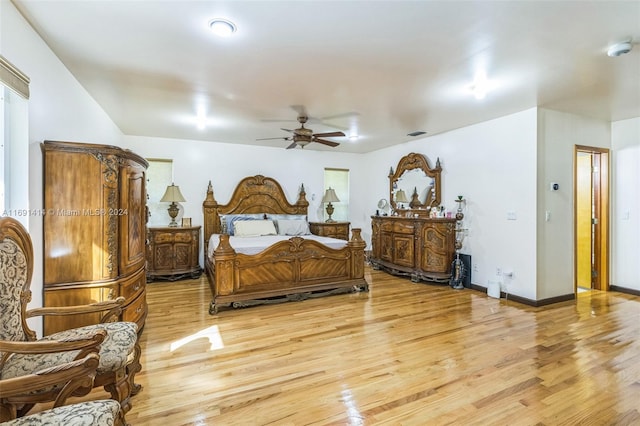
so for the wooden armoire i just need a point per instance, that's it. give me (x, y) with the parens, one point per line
(94, 230)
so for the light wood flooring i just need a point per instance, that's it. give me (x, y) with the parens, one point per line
(402, 354)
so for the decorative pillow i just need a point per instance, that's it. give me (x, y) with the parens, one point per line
(254, 228)
(227, 221)
(293, 227)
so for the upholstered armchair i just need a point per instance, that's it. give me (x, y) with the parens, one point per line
(54, 383)
(68, 378)
(119, 353)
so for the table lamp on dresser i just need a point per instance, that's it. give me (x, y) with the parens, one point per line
(330, 197)
(173, 195)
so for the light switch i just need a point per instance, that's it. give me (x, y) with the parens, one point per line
(511, 215)
(547, 216)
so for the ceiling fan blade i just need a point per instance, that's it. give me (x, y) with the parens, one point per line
(271, 139)
(344, 114)
(300, 109)
(293, 145)
(276, 120)
(325, 142)
(329, 134)
(287, 130)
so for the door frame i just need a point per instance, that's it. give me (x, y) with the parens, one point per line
(601, 197)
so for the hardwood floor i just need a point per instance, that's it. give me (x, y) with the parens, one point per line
(402, 354)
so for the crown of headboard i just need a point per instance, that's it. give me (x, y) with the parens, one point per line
(253, 194)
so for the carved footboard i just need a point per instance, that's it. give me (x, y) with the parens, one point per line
(289, 270)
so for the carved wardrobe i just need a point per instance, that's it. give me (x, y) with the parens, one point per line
(94, 230)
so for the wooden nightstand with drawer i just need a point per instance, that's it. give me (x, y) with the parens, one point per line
(173, 252)
(339, 230)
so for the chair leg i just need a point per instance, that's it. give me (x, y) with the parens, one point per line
(120, 420)
(133, 368)
(120, 390)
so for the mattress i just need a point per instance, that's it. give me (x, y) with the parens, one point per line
(254, 245)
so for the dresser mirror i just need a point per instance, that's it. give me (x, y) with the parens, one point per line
(414, 186)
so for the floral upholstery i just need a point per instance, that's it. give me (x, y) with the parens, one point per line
(13, 276)
(92, 413)
(119, 354)
(119, 343)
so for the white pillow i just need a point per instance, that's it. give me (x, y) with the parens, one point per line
(254, 228)
(273, 216)
(293, 227)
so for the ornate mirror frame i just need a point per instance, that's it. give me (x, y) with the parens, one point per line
(417, 161)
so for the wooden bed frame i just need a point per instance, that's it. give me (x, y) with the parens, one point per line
(295, 269)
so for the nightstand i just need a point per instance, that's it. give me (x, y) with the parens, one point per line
(339, 230)
(173, 252)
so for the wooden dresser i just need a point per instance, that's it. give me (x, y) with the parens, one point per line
(172, 253)
(339, 230)
(94, 230)
(422, 248)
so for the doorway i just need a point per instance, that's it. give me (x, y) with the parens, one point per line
(591, 218)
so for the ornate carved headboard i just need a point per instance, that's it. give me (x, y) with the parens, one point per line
(254, 194)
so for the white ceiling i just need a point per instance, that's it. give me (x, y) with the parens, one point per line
(378, 68)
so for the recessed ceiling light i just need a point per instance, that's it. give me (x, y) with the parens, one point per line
(620, 49)
(222, 27)
(482, 85)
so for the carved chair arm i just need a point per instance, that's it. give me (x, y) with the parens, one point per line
(83, 369)
(52, 346)
(113, 310)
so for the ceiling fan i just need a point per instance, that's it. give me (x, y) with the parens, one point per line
(303, 136)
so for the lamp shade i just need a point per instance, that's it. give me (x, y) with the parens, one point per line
(330, 196)
(172, 194)
(401, 197)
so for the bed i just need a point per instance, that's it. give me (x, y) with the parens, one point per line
(287, 267)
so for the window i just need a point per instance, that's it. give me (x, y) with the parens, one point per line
(338, 179)
(159, 176)
(14, 145)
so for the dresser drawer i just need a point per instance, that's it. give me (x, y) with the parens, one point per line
(399, 227)
(130, 288)
(183, 237)
(136, 311)
(338, 230)
(163, 237)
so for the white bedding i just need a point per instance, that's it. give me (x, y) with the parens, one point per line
(254, 245)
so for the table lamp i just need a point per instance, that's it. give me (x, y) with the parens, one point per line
(330, 197)
(172, 195)
(401, 197)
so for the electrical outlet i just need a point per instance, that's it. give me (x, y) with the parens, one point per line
(498, 272)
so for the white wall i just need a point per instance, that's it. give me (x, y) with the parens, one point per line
(625, 142)
(59, 109)
(493, 165)
(558, 133)
(195, 163)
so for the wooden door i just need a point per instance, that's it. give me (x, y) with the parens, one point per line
(131, 214)
(403, 250)
(386, 246)
(80, 188)
(591, 235)
(438, 247)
